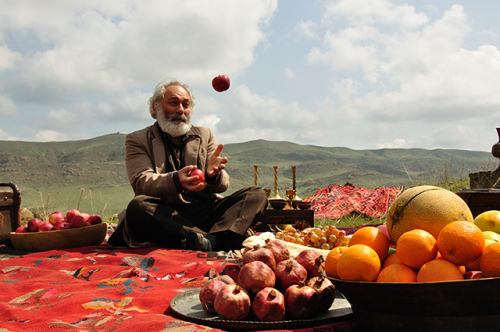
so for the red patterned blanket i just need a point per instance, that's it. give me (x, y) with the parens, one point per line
(336, 201)
(98, 289)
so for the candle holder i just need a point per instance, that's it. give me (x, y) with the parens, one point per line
(255, 174)
(296, 199)
(276, 195)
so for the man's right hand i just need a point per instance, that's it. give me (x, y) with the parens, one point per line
(188, 182)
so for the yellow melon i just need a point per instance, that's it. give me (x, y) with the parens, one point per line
(425, 207)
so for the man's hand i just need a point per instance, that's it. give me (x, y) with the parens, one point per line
(190, 182)
(216, 163)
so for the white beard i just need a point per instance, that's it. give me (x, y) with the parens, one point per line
(172, 128)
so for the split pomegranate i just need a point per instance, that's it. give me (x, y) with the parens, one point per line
(255, 276)
(301, 301)
(279, 249)
(269, 305)
(289, 272)
(208, 294)
(262, 254)
(313, 261)
(233, 302)
(325, 290)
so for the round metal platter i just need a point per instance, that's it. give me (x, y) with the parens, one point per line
(187, 306)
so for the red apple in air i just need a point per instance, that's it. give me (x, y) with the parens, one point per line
(95, 219)
(63, 225)
(78, 221)
(71, 214)
(33, 224)
(199, 173)
(45, 227)
(56, 217)
(22, 229)
(221, 83)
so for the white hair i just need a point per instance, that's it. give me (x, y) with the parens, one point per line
(159, 92)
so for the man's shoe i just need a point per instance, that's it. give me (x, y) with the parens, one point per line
(197, 242)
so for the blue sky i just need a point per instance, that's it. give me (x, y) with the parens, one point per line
(363, 74)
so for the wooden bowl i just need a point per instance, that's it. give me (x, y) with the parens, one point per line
(63, 239)
(468, 305)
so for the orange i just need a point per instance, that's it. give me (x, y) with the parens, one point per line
(392, 259)
(416, 247)
(439, 270)
(373, 238)
(397, 273)
(331, 261)
(425, 207)
(461, 268)
(359, 263)
(460, 242)
(490, 260)
(474, 265)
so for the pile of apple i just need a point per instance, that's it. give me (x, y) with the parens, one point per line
(271, 285)
(59, 221)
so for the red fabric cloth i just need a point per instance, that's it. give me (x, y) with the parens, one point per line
(97, 289)
(336, 201)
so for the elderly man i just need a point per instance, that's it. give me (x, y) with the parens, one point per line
(171, 207)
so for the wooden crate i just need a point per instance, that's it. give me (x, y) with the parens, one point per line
(10, 214)
(283, 217)
(481, 200)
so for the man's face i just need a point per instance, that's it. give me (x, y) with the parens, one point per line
(174, 116)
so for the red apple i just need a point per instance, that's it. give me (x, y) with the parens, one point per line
(221, 83)
(56, 217)
(85, 215)
(33, 224)
(95, 219)
(87, 224)
(22, 229)
(45, 227)
(71, 214)
(199, 173)
(78, 221)
(63, 225)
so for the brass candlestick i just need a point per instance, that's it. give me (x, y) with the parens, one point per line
(276, 195)
(295, 197)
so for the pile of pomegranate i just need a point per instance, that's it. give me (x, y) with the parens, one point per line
(271, 285)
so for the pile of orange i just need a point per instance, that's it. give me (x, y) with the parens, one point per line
(419, 256)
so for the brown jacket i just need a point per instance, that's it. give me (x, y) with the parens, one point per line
(145, 159)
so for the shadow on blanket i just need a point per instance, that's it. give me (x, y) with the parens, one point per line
(99, 289)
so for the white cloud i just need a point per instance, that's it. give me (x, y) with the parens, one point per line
(307, 28)
(397, 143)
(7, 106)
(108, 46)
(4, 136)
(288, 73)
(50, 136)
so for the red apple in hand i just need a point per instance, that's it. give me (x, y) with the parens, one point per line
(45, 227)
(33, 224)
(94, 219)
(220, 83)
(201, 176)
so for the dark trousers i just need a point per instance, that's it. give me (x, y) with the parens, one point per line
(151, 219)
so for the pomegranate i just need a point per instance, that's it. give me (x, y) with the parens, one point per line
(301, 301)
(269, 305)
(313, 261)
(262, 254)
(289, 272)
(325, 289)
(279, 249)
(255, 276)
(233, 302)
(208, 294)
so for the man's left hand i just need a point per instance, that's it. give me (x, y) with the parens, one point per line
(216, 163)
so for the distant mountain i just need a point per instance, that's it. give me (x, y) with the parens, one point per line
(99, 163)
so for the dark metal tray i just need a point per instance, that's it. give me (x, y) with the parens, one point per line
(187, 306)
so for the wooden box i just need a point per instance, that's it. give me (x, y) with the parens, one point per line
(481, 200)
(10, 211)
